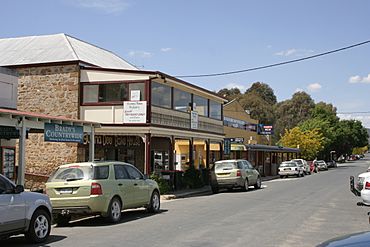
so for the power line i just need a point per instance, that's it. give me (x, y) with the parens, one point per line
(275, 64)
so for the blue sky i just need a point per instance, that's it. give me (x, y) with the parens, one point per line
(186, 37)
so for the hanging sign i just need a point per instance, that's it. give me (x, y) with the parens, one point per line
(194, 119)
(63, 133)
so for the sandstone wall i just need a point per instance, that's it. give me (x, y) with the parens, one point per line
(52, 90)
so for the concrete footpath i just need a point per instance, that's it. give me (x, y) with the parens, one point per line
(205, 190)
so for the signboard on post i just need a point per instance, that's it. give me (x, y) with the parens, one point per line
(63, 133)
(194, 120)
(134, 112)
(265, 129)
(8, 132)
(227, 146)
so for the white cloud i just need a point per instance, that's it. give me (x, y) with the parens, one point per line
(234, 85)
(314, 87)
(141, 54)
(107, 6)
(359, 79)
(294, 52)
(364, 119)
(166, 49)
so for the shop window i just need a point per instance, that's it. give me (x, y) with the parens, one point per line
(161, 95)
(113, 92)
(181, 100)
(215, 110)
(201, 105)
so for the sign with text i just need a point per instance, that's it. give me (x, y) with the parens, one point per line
(194, 120)
(63, 133)
(134, 112)
(227, 146)
(8, 132)
(265, 129)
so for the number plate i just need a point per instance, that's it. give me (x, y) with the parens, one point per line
(65, 191)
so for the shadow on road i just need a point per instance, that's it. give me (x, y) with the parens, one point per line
(127, 216)
(20, 240)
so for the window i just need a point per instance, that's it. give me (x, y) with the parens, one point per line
(161, 95)
(181, 100)
(120, 172)
(215, 110)
(201, 105)
(136, 91)
(133, 172)
(101, 172)
(111, 92)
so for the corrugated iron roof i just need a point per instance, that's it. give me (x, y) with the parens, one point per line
(56, 48)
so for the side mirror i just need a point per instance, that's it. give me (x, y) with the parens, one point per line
(18, 189)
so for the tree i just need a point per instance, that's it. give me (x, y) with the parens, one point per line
(230, 94)
(264, 91)
(259, 109)
(326, 112)
(310, 142)
(290, 113)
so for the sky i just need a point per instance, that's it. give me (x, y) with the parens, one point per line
(191, 37)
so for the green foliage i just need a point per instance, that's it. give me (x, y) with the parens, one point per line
(310, 142)
(264, 91)
(259, 109)
(229, 94)
(193, 178)
(163, 185)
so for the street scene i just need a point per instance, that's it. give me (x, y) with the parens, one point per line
(285, 212)
(184, 123)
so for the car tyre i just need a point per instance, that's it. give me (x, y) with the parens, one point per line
(214, 189)
(62, 220)
(39, 228)
(258, 183)
(246, 185)
(114, 211)
(281, 176)
(155, 203)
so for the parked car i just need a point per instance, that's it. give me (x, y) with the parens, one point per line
(100, 188)
(306, 167)
(21, 212)
(290, 168)
(360, 239)
(234, 174)
(331, 163)
(361, 187)
(321, 165)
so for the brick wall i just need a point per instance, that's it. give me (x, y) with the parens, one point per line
(52, 90)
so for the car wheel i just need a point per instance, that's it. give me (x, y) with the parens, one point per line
(114, 210)
(155, 203)
(246, 185)
(298, 175)
(258, 183)
(62, 220)
(281, 176)
(39, 228)
(214, 189)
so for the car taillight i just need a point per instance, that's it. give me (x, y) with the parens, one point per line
(367, 186)
(96, 189)
(296, 169)
(238, 173)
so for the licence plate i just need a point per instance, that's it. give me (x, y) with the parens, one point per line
(65, 191)
(287, 169)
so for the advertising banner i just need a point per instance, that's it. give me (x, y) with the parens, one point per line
(134, 112)
(265, 129)
(194, 120)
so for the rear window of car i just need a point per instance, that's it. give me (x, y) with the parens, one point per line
(300, 162)
(288, 165)
(224, 165)
(73, 173)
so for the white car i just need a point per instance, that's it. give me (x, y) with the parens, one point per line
(27, 213)
(306, 167)
(365, 192)
(290, 168)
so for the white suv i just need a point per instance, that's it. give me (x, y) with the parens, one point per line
(23, 212)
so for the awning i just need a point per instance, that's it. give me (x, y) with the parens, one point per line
(238, 147)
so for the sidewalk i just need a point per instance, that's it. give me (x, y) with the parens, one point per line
(205, 190)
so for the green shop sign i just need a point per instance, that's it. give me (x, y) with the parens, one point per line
(63, 133)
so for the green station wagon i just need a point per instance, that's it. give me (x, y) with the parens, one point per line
(100, 188)
(234, 174)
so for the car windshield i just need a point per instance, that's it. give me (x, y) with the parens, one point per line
(224, 165)
(71, 173)
(300, 162)
(290, 164)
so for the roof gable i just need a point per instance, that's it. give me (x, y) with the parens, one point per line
(56, 48)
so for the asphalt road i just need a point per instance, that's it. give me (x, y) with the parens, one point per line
(285, 212)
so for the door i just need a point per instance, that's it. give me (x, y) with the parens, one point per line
(140, 187)
(124, 186)
(12, 207)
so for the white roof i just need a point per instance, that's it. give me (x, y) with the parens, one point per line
(56, 48)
